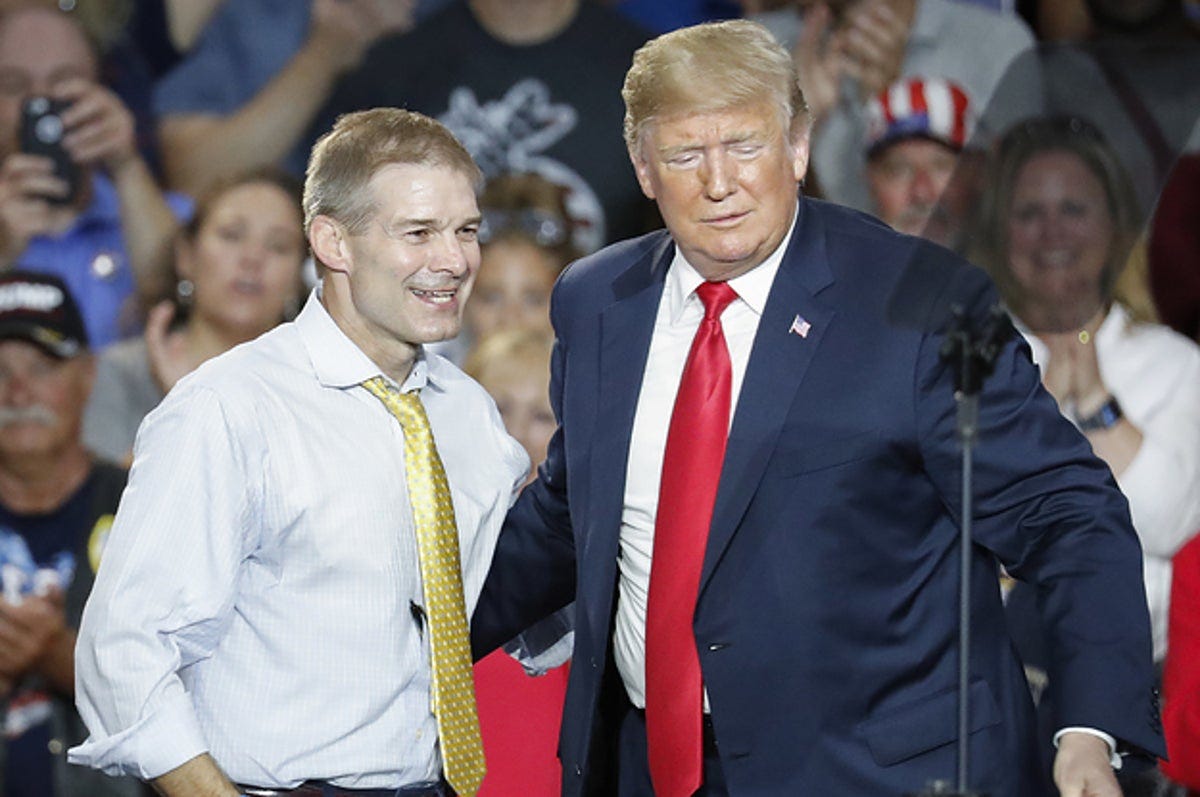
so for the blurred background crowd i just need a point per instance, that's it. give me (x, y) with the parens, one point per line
(151, 154)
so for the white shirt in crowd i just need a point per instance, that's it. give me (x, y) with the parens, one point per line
(1154, 373)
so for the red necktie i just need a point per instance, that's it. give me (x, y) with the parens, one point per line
(691, 471)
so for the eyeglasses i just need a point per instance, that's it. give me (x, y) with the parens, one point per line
(547, 229)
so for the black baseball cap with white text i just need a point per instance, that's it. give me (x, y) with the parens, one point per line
(40, 309)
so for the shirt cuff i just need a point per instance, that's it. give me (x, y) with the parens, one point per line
(1114, 757)
(164, 740)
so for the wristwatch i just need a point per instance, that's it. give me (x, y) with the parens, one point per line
(1106, 417)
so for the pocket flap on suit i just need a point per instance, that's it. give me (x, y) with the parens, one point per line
(926, 724)
(806, 459)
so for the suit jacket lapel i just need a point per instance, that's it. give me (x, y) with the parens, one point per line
(625, 329)
(778, 363)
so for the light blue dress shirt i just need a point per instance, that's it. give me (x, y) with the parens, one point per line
(258, 592)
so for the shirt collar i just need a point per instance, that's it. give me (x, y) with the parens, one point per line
(753, 287)
(339, 363)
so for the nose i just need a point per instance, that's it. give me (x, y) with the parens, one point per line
(718, 174)
(17, 390)
(252, 254)
(924, 189)
(452, 254)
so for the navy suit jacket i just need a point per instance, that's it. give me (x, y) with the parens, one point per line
(826, 621)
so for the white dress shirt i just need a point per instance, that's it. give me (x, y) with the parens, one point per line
(260, 592)
(1154, 373)
(680, 312)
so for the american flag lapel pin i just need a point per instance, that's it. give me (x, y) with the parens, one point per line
(799, 327)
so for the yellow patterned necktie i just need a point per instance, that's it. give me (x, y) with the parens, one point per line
(453, 693)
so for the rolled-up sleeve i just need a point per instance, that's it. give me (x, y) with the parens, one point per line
(166, 585)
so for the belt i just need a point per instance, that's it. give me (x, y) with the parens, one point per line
(316, 788)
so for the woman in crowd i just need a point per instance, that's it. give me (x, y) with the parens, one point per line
(238, 262)
(1058, 225)
(1058, 230)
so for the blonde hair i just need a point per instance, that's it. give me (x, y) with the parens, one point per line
(509, 348)
(345, 159)
(707, 68)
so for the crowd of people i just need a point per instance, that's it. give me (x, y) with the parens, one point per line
(239, 238)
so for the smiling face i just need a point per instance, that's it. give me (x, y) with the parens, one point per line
(726, 183)
(1060, 233)
(245, 259)
(411, 268)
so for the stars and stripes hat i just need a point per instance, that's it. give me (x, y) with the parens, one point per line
(39, 308)
(934, 108)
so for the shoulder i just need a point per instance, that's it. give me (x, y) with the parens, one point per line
(243, 380)
(608, 263)
(1159, 342)
(124, 357)
(906, 278)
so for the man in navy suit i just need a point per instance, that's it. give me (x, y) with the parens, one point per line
(810, 564)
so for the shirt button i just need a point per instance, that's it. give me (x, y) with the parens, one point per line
(55, 746)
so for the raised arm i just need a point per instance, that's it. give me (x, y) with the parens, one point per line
(199, 148)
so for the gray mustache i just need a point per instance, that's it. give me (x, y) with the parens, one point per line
(36, 413)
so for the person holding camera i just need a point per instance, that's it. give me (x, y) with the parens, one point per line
(76, 198)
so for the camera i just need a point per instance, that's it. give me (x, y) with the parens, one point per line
(42, 133)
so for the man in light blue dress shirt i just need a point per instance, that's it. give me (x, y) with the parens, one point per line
(259, 617)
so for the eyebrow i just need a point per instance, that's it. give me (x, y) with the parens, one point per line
(731, 140)
(398, 224)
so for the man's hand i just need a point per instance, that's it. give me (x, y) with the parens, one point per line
(25, 183)
(345, 29)
(100, 129)
(28, 632)
(1082, 767)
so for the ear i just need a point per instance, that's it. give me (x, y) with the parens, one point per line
(641, 168)
(327, 238)
(800, 155)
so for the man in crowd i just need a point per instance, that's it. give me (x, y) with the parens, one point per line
(754, 493)
(310, 517)
(922, 180)
(56, 506)
(528, 86)
(106, 236)
(850, 50)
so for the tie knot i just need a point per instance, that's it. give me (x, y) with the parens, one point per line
(716, 296)
(406, 407)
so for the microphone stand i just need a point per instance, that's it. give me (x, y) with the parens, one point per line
(972, 354)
